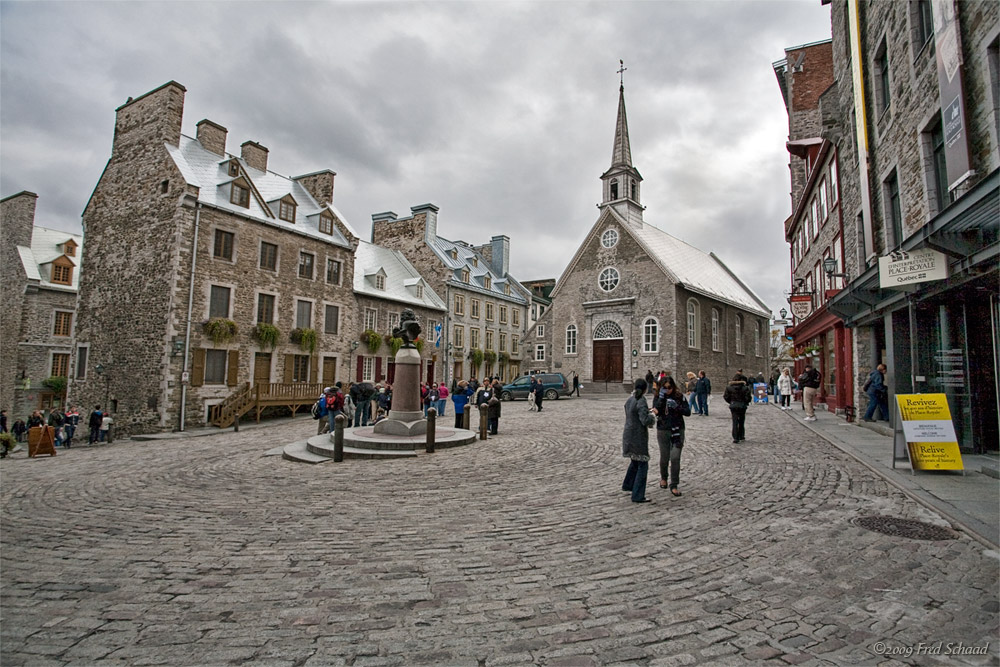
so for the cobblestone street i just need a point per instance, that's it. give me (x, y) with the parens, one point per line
(518, 550)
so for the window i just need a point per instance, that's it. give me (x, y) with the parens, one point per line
(822, 200)
(62, 274)
(473, 337)
(540, 331)
(223, 248)
(650, 335)
(325, 223)
(459, 304)
(458, 336)
(215, 366)
(503, 314)
(503, 342)
(489, 311)
(540, 352)
(715, 330)
(239, 196)
(420, 291)
(268, 256)
(516, 317)
(882, 94)
(63, 323)
(614, 188)
(393, 322)
(300, 368)
(465, 276)
(489, 340)
(331, 323)
(608, 279)
(756, 339)
(286, 211)
(380, 281)
(474, 309)
(834, 195)
(814, 219)
(475, 261)
(514, 340)
(371, 319)
(306, 263)
(607, 329)
(693, 323)
(609, 238)
(571, 339)
(265, 308)
(218, 301)
(69, 248)
(940, 168)
(234, 168)
(81, 361)
(303, 314)
(506, 289)
(368, 369)
(60, 364)
(892, 212)
(333, 267)
(487, 282)
(454, 254)
(739, 334)
(633, 189)
(924, 28)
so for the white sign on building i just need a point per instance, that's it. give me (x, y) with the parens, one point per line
(903, 268)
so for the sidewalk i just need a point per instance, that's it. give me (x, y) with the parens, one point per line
(971, 502)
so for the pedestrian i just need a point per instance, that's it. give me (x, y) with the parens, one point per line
(878, 394)
(650, 378)
(56, 420)
(350, 407)
(576, 384)
(670, 407)
(483, 397)
(531, 393)
(460, 398)
(635, 442)
(106, 422)
(3, 421)
(442, 401)
(539, 394)
(72, 421)
(19, 429)
(703, 388)
(785, 389)
(692, 397)
(321, 411)
(494, 408)
(385, 398)
(94, 424)
(35, 420)
(738, 396)
(810, 381)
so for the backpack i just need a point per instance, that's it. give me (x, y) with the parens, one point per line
(314, 412)
(338, 401)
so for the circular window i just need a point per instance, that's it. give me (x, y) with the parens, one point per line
(608, 279)
(609, 238)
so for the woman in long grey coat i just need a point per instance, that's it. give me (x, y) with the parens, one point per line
(635, 442)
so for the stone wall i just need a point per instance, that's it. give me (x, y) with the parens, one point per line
(17, 217)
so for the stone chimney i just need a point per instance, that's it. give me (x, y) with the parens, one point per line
(319, 184)
(153, 118)
(500, 259)
(17, 221)
(212, 136)
(431, 213)
(384, 216)
(254, 154)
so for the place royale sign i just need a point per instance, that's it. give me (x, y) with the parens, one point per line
(902, 268)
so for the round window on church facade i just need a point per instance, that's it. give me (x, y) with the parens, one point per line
(608, 279)
(609, 238)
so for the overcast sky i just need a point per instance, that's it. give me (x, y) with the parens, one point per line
(500, 113)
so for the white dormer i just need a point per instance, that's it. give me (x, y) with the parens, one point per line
(324, 222)
(415, 286)
(377, 277)
(285, 207)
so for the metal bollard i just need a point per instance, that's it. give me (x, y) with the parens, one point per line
(466, 418)
(431, 426)
(338, 438)
(483, 410)
(236, 425)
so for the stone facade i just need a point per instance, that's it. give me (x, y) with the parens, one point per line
(39, 313)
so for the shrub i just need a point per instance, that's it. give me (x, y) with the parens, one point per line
(267, 335)
(372, 340)
(221, 330)
(305, 338)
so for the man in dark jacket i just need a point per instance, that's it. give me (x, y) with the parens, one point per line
(738, 396)
(96, 417)
(701, 391)
(810, 381)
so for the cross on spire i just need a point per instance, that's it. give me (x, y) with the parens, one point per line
(621, 73)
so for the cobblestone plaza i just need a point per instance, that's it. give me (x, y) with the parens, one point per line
(518, 550)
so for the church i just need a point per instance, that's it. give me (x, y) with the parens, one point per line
(634, 298)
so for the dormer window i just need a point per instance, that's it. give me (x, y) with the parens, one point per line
(234, 168)
(506, 289)
(454, 254)
(487, 282)
(240, 195)
(475, 261)
(420, 291)
(380, 281)
(465, 275)
(69, 248)
(62, 272)
(326, 223)
(286, 211)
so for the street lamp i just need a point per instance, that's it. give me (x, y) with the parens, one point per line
(830, 267)
(783, 312)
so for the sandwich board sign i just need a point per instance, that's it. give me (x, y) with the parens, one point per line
(928, 432)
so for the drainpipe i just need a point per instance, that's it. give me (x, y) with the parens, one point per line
(187, 203)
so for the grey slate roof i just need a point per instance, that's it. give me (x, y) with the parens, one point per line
(401, 278)
(478, 267)
(208, 171)
(44, 249)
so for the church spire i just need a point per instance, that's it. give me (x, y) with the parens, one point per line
(621, 155)
(621, 181)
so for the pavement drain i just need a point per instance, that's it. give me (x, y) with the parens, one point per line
(914, 530)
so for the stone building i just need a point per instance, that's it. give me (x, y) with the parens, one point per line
(915, 117)
(541, 297)
(205, 271)
(39, 278)
(487, 307)
(635, 298)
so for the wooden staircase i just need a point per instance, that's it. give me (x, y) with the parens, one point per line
(235, 406)
(246, 397)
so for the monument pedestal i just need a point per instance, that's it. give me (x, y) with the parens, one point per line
(406, 416)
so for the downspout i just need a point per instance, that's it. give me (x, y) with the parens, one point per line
(190, 307)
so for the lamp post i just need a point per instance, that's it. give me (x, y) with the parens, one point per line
(354, 346)
(783, 312)
(830, 267)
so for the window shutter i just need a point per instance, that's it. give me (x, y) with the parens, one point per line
(378, 369)
(361, 369)
(314, 368)
(289, 367)
(234, 368)
(198, 368)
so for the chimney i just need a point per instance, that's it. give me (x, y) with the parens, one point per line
(500, 256)
(153, 118)
(254, 155)
(384, 216)
(431, 213)
(318, 184)
(17, 221)
(212, 136)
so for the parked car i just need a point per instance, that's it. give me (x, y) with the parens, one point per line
(555, 386)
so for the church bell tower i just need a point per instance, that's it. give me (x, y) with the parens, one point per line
(621, 182)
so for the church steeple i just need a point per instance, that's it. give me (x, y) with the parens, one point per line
(621, 181)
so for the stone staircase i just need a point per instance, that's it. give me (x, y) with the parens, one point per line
(359, 444)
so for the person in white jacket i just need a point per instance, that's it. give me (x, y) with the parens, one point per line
(785, 387)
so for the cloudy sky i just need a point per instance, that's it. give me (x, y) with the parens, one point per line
(500, 113)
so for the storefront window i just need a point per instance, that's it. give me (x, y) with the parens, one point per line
(830, 363)
(943, 365)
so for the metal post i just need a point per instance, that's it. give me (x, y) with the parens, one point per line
(482, 421)
(338, 438)
(431, 426)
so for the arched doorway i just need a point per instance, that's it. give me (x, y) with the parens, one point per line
(608, 352)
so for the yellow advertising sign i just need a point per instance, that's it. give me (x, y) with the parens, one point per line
(930, 434)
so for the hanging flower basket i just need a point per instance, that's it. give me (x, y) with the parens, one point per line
(221, 330)
(476, 355)
(394, 344)
(419, 344)
(490, 357)
(504, 357)
(305, 338)
(372, 340)
(56, 384)
(267, 335)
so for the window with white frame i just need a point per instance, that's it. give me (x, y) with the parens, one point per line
(715, 330)
(693, 323)
(540, 352)
(379, 281)
(503, 314)
(515, 317)
(459, 304)
(822, 200)
(609, 238)
(489, 311)
(393, 321)
(739, 334)
(371, 318)
(368, 369)
(514, 344)
(608, 280)
(834, 195)
(571, 339)
(540, 331)
(489, 340)
(474, 337)
(458, 336)
(650, 335)
(756, 338)
(503, 342)
(474, 308)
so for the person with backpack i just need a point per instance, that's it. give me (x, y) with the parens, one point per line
(461, 399)
(94, 423)
(442, 401)
(878, 394)
(810, 381)
(739, 396)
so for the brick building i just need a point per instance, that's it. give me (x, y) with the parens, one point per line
(192, 249)
(487, 307)
(39, 278)
(635, 298)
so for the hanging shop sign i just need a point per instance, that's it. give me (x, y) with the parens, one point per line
(929, 433)
(802, 306)
(902, 268)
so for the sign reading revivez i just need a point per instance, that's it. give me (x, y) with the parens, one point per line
(930, 434)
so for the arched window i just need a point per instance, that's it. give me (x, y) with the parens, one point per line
(650, 335)
(715, 329)
(739, 334)
(634, 188)
(607, 329)
(614, 188)
(571, 339)
(608, 279)
(694, 323)
(756, 338)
